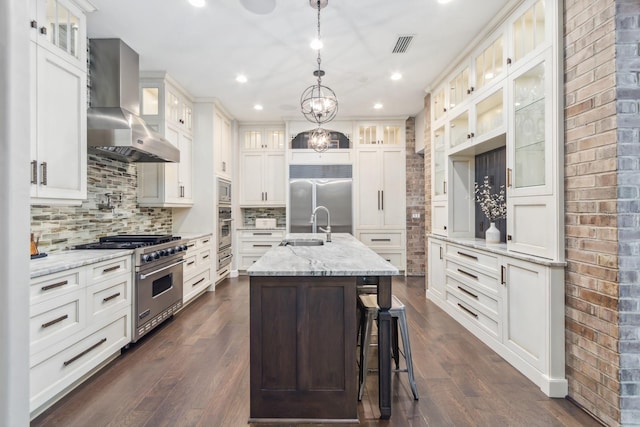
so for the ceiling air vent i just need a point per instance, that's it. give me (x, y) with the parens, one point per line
(402, 44)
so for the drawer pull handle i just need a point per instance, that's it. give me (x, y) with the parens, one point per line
(191, 245)
(54, 321)
(191, 263)
(109, 298)
(467, 255)
(468, 274)
(262, 234)
(198, 282)
(144, 314)
(380, 240)
(502, 282)
(261, 246)
(114, 268)
(74, 358)
(467, 310)
(471, 294)
(55, 285)
(205, 256)
(205, 242)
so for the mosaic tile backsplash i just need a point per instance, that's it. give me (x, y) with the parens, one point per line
(249, 216)
(61, 227)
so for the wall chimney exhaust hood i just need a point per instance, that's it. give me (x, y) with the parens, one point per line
(114, 127)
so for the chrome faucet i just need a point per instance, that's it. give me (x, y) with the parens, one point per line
(328, 229)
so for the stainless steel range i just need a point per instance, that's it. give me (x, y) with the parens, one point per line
(157, 289)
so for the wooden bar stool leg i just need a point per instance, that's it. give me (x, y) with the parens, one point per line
(404, 330)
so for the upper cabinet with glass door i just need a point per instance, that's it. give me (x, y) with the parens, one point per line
(60, 26)
(438, 104)
(381, 134)
(262, 138)
(489, 64)
(459, 88)
(529, 31)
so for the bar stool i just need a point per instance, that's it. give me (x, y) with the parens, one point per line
(369, 308)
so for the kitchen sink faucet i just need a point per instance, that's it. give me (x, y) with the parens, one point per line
(328, 229)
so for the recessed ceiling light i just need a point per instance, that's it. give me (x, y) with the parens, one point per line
(257, 107)
(316, 44)
(396, 76)
(377, 106)
(241, 78)
(443, 1)
(198, 3)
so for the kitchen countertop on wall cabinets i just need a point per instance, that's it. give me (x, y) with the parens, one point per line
(499, 249)
(66, 260)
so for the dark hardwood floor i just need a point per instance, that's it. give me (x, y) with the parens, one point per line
(194, 371)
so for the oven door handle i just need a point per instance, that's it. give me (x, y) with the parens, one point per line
(144, 276)
(226, 258)
(227, 220)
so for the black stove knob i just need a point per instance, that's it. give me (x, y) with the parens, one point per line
(179, 248)
(147, 257)
(155, 255)
(162, 252)
(184, 247)
(171, 251)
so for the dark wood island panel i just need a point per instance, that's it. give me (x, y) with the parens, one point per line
(303, 349)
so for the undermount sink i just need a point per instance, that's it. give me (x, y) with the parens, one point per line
(302, 242)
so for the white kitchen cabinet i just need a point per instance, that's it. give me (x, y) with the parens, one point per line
(513, 304)
(167, 108)
(390, 245)
(79, 319)
(198, 268)
(390, 133)
(252, 244)
(58, 94)
(262, 166)
(222, 145)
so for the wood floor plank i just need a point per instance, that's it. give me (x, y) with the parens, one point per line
(194, 371)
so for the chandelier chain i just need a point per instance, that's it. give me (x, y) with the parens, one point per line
(319, 39)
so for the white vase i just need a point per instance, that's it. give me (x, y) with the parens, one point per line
(492, 235)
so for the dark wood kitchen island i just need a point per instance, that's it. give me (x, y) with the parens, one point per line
(303, 330)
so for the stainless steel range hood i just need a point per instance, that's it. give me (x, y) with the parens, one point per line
(114, 127)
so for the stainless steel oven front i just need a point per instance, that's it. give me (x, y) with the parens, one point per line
(224, 227)
(158, 293)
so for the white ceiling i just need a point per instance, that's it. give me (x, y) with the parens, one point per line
(204, 49)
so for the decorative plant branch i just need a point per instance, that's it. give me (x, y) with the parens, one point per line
(493, 205)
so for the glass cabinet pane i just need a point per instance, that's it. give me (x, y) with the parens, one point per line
(187, 113)
(367, 135)
(62, 27)
(391, 135)
(51, 21)
(150, 101)
(528, 30)
(74, 42)
(439, 160)
(253, 139)
(438, 104)
(489, 63)
(458, 88)
(489, 114)
(459, 129)
(275, 139)
(173, 107)
(529, 135)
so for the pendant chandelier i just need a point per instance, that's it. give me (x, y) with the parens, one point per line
(319, 103)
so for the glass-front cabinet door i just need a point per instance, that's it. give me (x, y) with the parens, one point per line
(439, 164)
(438, 105)
(62, 24)
(489, 64)
(459, 130)
(489, 116)
(459, 88)
(529, 31)
(531, 161)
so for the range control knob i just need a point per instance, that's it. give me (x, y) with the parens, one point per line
(161, 253)
(171, 251)
(147, 258)
(155, 255)
(179, 248)
(185, 247)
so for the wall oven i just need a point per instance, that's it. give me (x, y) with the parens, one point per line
(224, 228)
(224, 192)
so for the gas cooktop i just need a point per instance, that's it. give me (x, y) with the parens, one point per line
(129, 241)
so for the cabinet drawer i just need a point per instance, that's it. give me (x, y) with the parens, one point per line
(477, 259)
(204, 256)
(258, 246)
(247, 260)
(473, 314)
(196, 284)
(488, 305)
(56, 319)
(204, 241)
(381, 239)
(49, 376)
(110, 268)
(108, 297)
(190, 264)
(262, 234)
(395, 258)
(472, 276)
(56, 284)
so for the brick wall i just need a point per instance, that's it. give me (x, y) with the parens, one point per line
(415, 204)
(628, 151)
(61, 227)
(591, 280)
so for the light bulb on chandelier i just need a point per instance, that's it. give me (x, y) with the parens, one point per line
(319, 140)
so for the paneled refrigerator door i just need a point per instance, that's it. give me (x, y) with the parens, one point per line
(301, 205)
(335, 195)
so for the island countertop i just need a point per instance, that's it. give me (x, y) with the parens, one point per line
(343, 256)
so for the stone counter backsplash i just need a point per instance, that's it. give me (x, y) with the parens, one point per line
(61, 227)
(249, 216)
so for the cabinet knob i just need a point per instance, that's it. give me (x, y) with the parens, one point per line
(43, 30)
(508, 61)
(34, 23)
(469, 90)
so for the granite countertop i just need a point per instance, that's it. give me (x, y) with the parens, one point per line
(66, 260)
(343, 256)
(254, 228)
(499, 249)
(192, 235)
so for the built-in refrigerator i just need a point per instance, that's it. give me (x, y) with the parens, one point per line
(320, 185)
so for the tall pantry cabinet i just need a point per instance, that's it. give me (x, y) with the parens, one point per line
(58, 101)
(504, 96)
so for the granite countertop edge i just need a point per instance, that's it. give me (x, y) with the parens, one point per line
(193, 235)
(67, 260)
